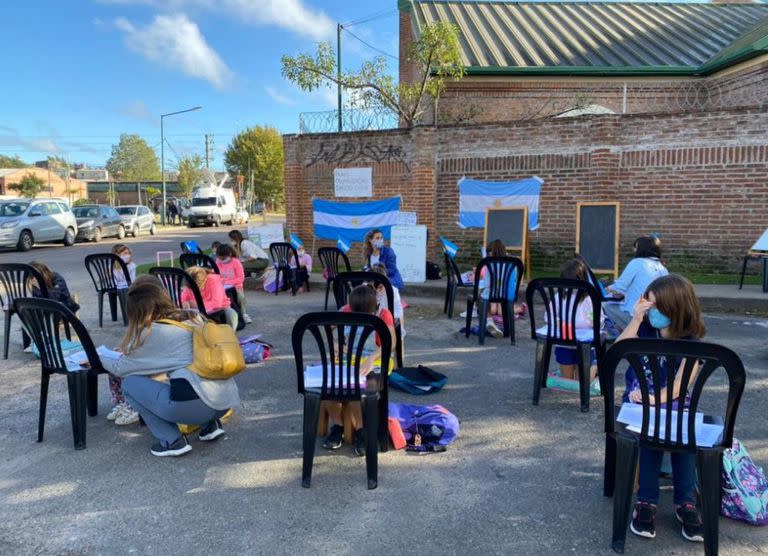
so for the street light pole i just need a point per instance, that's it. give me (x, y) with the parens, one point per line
(162, 156)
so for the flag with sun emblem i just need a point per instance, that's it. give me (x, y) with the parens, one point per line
(351, 221)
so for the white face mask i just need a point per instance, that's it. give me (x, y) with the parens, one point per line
(126, 258)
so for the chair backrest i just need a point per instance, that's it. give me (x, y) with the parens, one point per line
(101, 267)
(452, 272)
(647, 356)
(14, 283)
(174, 281)
(282, 253)
(561, 298)
(344, 283)
(498, 275)
(187, 260)
(340, 339)
(332, 258)
(41, 319)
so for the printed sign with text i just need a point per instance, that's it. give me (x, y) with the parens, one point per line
(353, 182)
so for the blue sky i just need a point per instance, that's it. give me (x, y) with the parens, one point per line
(78, 73)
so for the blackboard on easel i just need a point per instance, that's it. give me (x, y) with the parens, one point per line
(597, 236)
(510, 225)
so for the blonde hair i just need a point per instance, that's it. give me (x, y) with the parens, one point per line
(119, 248)
(148, 302)
(199, 275)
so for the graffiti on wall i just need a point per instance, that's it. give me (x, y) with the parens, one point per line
(351, 151)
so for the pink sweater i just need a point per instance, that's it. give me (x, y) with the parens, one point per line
(232, 273)
(214, 296)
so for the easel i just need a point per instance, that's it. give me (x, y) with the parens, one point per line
(758, 251)
(524, 248)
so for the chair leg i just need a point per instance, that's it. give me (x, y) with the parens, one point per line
(383, 423)
(482, 320)
(327, 291)
(44, 380)
(626, 464)
(277, 279)
(539, 370)
(399, 347)
(93, 394)
(452, 300)
(743, 271)
(584, 353)
(122, 297)
(709, 463)
(609, 466)
(510, 319)
(371, 424)
(447, 295)
(547, 360)
(311, 416)
(77, 384)
(7, 333)
(112, 305)
(470, 308)
(101, 309)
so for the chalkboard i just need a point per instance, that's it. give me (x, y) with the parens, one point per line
(597, 236)
(410, 246)
(509, 224)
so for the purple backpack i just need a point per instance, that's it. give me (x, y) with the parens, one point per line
(437, 426)
(745, 490)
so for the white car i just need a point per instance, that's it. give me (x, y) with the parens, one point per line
(137, 219)
(25, 222)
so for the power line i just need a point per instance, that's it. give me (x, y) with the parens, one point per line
(379, 50)
(372, 17)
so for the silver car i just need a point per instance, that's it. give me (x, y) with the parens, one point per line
(25, 222)
(137, 219)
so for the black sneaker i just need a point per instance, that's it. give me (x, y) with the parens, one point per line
(211, 431)
(178, 448)
(644, 520)
(359, 443)
(335, 438)
(688, 515)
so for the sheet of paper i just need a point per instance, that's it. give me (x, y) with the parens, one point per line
(313, 377)
(73, 360)
(632, 416)
(762, 243)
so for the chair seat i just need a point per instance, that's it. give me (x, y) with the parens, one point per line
(583, 335)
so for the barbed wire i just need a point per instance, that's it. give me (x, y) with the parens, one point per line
(352, 120)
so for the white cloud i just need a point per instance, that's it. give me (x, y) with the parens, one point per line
(175, 41)
(279, 97)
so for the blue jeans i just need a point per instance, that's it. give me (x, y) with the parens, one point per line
(683, 477)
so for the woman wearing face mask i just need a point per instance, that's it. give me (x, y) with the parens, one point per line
(668, 309)
(377, 252)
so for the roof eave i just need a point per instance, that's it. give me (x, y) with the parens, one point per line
(582, 71)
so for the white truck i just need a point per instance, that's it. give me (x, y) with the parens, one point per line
(212, 203)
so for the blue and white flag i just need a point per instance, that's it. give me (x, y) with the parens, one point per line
(343, 246)
(351, 221)
(476, 196)
(296, 241)
(449, 247)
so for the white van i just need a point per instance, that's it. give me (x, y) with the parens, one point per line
(212, 205)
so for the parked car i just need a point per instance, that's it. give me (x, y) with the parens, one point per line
(137, 219)
(25, 222)
(95, 222)
(258, 207)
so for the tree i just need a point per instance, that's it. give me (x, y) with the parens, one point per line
(260, 151)
(133, 160)
(190, 172)
(29, 186)
(435, 55)
(12, 162)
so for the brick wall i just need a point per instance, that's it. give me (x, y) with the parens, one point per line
(700, 180)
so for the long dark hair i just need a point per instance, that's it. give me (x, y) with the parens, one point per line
(45, 272)
(368, 239)
(647, 247)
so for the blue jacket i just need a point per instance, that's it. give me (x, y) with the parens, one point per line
(388, 258)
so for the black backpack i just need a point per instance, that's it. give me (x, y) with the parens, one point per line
(433, 271)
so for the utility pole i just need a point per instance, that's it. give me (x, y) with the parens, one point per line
(338, 72)
(208, 146)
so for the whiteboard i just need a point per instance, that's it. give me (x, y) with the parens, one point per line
(265, 234)
(353, 182)
(762, 243)
(410, 246)
(406, 218)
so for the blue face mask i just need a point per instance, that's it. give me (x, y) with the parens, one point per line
(378, 244)
(658, 319)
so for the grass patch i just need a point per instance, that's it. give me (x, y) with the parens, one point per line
(144, 268)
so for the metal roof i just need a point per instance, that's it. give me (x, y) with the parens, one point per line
(599, 37)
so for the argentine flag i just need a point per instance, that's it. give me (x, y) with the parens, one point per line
(351, 221)
(476, 196)
(449, 247)
(343, 246)
(296, 241)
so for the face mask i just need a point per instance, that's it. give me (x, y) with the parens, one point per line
(300, 252)
(378, 244)
(381, 298)
(658, 319)
(126, 258)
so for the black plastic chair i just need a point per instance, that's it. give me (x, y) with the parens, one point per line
(282, 253)
(332, 258)
(560, 298)
(454, 281)
(346, 281)
(498, 276)
(174, 281)
(340, 358)
(187, 260)
(14, 284)
(100, 267)
(41, 319)
(622, 446)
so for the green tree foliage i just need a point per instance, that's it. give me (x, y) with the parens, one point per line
(260, 150)
(435, 55)
(29, 186)
(189, 168)
(12, 162)
(133, 160)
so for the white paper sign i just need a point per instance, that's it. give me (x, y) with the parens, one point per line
(265, 234)
(410, 246)
(406, 218)
(353, 182)
(762, 243)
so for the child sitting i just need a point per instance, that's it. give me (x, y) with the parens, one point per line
(212, 291)
(57, 290)
(302, 268)
(232, 275)
(381, 298)
(121, 280)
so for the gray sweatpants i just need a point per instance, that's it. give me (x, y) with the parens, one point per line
(152, 399)
(620, 317)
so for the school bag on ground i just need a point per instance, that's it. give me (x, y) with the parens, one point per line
(421, 428)
(745, 489)
(433, 271)
(417, 380)
(255, 350)
(216, 350)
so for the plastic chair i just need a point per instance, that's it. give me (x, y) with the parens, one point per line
(622, 446)
(174, 281)
(100, 267)
(344, 283)
(187, 260)
(499, 271)
(332, 258)
(340, 358)
(454, 281)
(282, 253)
(560, 298)
(14, 284)
(41, 319)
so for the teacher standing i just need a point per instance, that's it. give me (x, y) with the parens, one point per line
(377, 252)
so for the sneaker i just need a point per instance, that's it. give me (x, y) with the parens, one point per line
(688, 515)
(644, 520)
(28, 349)
(594, 387)
(211, 431)
(247, 319)
(178, 448)
(494, 330)
(117, 410)
(334, 439)
(359, 443)
(127, 416)
(474, 313)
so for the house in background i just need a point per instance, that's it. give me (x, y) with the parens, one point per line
(55, 185)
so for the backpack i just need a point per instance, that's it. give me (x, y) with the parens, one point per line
(216, 350)
(190, 247)
(422, 428)
(255, 350)
(745, 489)
(433, 271)
(417, 380)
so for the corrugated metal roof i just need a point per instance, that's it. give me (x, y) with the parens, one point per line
(593, 37)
